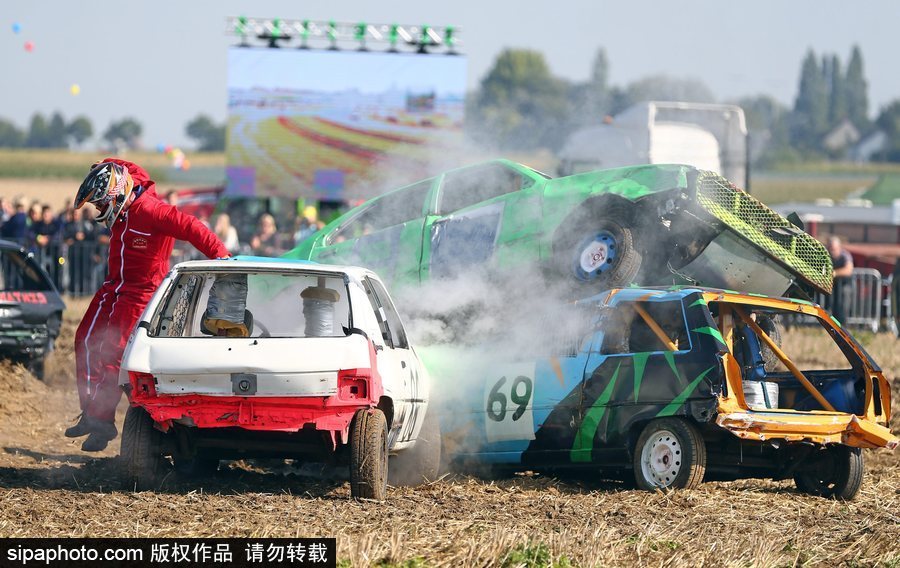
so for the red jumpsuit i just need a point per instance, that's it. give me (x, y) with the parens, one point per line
(139, 250)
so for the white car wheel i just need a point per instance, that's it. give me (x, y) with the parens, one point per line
(669, 454)
(661, 458)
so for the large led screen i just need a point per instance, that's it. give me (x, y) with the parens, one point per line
(338, 124)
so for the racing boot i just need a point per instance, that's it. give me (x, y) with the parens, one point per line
(101, 434)
(82, 428)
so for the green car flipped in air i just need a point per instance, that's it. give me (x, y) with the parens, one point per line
(647, 224)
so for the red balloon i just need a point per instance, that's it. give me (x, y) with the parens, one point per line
(29, 46)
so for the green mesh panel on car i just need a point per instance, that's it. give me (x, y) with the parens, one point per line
(748, 217)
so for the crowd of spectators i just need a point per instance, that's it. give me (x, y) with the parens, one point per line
(37, 225)
(71, 247)
(267, 239)
(262, 236)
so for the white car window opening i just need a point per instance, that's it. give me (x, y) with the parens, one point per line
(387, 314)
(645, 327)
(263, 304)
(390, 210)
(472, 186)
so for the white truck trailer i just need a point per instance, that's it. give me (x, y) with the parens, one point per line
(708, 136)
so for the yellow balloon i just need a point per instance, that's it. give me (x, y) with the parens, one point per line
(75, 89)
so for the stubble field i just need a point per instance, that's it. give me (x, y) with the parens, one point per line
(49, 488)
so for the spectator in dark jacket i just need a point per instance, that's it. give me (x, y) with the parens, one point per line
(77, 228)
(46, 230)
(6, 210)
(16, 227)
(842, 291)
(34, 213)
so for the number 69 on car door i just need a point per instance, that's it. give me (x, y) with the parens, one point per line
(508, 405)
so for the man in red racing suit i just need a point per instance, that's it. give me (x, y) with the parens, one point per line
(144, 229)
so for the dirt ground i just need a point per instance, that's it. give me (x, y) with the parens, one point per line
(49, 488)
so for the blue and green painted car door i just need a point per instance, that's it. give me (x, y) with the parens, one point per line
(499, 398)
(633, 375)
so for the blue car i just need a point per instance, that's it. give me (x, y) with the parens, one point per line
(674, 385)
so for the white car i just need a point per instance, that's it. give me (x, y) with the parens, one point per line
(263, 357)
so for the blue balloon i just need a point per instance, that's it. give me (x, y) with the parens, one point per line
(16, 27)
(160, 148)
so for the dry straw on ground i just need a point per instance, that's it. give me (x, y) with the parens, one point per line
(49, 488)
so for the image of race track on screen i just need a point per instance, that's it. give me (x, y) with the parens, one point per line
(338, 124)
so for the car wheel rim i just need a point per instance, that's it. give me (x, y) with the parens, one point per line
(661, 459)
(596, 255)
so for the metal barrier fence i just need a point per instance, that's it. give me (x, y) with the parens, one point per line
(892, 303)
(861, 294)
(78, 269)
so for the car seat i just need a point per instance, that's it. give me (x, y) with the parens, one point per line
(226, 309)
(225, 328)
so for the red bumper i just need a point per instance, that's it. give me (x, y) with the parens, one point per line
(357, 389)
(253, 413)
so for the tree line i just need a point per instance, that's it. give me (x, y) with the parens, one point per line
(57, 133)
(521, 105)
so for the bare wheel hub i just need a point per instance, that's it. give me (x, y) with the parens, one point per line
(661, 459)
(596, 255)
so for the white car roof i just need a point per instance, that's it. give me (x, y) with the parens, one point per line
(250, 262)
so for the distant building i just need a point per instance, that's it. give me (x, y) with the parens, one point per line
(841, 136)
(707, 136)
(870, 145)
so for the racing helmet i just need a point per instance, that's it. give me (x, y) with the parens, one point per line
(107, 187)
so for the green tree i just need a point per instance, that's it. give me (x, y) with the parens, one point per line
(837, 109)
(590, 101)
(126, 131)
(619, 100)
(767, 127)
(10, 135)
(80, 129)
(600, 71)
(810, 116)
(857, 91)
(520, 104)
(599, 98)
(56, 131)
(37, 132)
(889, 121)
(209, 136)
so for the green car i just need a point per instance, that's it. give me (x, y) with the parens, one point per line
(648, 224)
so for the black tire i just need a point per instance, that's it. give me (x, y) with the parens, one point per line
(37, 367)
(143, 465)
(420, 463)
(835, 472)
(612, 238)
(368, 455)
(669, 454)
(196, 467)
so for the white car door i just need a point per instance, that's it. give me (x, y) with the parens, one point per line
(404, 381)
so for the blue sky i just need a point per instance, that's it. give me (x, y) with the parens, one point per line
(165, 61)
